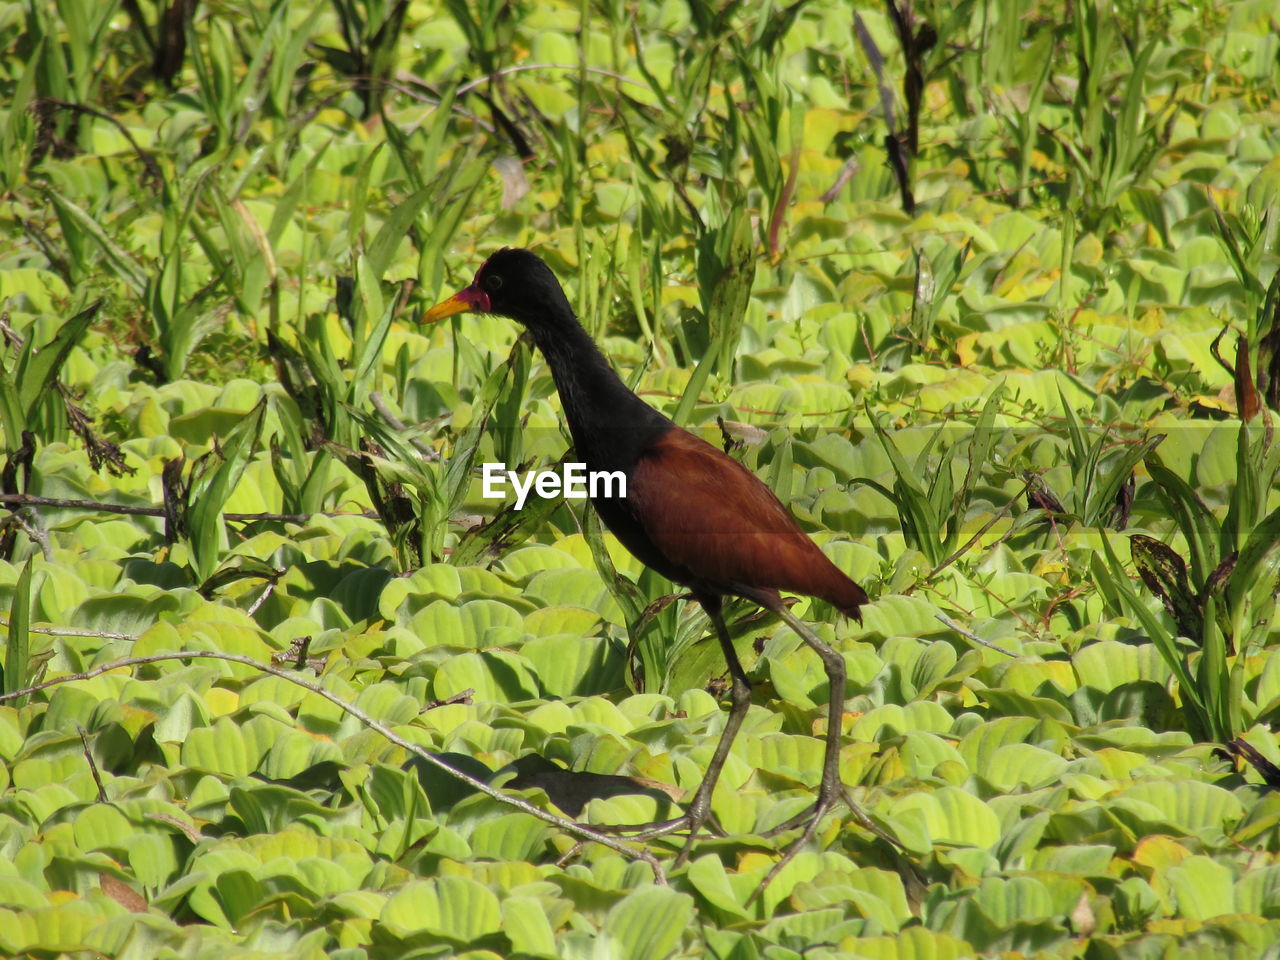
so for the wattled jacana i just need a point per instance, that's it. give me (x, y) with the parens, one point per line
(693, 514)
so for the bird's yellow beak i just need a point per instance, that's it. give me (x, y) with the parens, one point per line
(469, 299)
(446, 308)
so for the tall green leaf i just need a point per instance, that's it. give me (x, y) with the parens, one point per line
(213, 481)
(17, 658)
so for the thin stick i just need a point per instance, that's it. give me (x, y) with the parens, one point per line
(72, 632)
(969, 635)
(569, 826)
(507, 71)
(462, 696)
(253, 607)
(93, 766)
(133, 510)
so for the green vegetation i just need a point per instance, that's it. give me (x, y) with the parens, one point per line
(986, 290)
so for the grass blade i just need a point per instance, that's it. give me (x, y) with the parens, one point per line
(212, 485)
(17, 658)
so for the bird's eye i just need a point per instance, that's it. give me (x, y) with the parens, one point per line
(493, 282)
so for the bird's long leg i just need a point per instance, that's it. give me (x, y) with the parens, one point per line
(739, 699)
(830, 788)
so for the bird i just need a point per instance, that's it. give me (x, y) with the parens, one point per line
(690, 512)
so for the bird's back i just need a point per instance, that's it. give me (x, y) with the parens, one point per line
(716, 525)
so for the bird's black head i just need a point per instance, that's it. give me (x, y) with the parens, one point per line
(512, 283)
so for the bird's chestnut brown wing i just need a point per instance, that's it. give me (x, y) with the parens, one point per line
(712, 516)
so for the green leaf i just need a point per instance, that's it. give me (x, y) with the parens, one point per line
(511, 837)
(1021, 764)
(726, 267)
(212, 485)
(1112, 573)
(120, 260)
(647, 924)
(1007, 901)
(1260, 546)
(1199, 809)
(19, 125)
(569, 665)
(1165, 575)
(697, 380)
(1203, 889)
(947, 815)
(494, 675)
(1194, 518)
(17, 658)
(525, 922)
(393, 231)
(456, 907)
(727, 892)
(44, 364)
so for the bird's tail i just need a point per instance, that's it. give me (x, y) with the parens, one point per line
(847, 597)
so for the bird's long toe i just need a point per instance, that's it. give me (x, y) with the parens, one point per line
(646, 831)
(661, 828)
(809, 816)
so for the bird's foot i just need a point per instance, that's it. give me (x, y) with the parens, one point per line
(690, 821)
(787, 856)
(646, 831)
(660, 828)
(806, 817)
(810, 819)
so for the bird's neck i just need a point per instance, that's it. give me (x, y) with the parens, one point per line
(608, 422)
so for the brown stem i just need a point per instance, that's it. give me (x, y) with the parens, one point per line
(29, 499)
